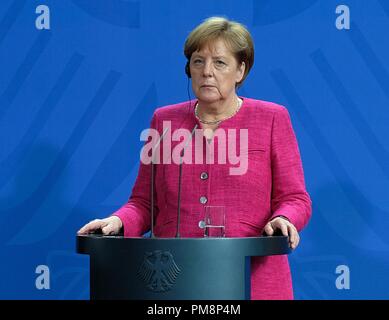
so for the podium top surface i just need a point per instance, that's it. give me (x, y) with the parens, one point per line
(251, 246)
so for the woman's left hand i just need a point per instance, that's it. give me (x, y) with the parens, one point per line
(287, 229)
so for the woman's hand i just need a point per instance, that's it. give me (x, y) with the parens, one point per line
(287, 229)
(108, 226)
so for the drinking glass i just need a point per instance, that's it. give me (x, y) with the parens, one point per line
(214, 222)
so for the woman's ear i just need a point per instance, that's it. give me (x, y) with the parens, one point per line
(241, 70)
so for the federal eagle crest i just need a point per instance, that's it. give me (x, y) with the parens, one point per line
(159, 271)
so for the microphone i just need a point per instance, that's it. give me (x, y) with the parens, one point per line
(152, 182)
(179, 181)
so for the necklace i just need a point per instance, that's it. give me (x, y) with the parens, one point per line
(239, 104)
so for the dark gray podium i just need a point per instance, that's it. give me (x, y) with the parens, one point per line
(174, 269)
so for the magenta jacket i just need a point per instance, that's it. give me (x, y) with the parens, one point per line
(273, 185)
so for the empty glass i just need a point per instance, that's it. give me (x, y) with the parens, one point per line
(214, 221)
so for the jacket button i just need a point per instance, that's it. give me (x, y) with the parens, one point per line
(204, 176)
(202, 224)
(203, 200)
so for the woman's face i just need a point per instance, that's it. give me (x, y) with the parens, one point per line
(215, 72)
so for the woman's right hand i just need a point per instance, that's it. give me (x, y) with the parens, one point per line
(108, 226)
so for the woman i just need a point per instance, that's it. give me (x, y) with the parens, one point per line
(269, 195)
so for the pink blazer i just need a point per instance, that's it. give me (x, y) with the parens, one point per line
(273, 185)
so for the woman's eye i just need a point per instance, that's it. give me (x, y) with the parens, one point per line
(197, 61)
(219, 62)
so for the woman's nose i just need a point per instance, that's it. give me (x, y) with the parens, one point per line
(208, 69)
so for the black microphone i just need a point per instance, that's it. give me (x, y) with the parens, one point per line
(179, 182)
(152, 181)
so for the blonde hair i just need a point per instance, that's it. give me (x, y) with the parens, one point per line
(235, 35)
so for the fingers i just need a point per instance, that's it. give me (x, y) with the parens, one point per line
(294, 237)
(108, 229)
(284, 228)
(108, 226)
(269, 229)
(287, 229)
(91, 226)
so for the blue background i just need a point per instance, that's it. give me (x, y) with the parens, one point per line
(74, 99)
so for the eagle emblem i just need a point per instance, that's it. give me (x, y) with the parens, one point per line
(159, 271)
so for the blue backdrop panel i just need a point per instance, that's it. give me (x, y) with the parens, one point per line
(74, 99)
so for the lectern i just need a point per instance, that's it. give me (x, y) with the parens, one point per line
(174, 268)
